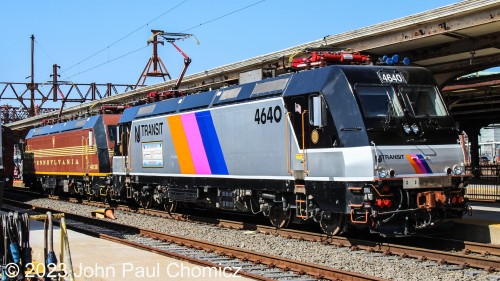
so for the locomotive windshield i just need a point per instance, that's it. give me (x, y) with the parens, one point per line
(419, 100)
(112, 133)
(379, 101)
(423, 100)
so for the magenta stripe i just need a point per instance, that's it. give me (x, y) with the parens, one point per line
(419, 163)
(195, 143)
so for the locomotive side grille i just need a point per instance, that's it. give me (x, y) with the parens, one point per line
(188, 194)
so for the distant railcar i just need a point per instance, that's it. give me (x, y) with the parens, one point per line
(7, 166)
(2, 169)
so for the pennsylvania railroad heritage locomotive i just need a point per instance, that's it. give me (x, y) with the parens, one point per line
(343, 145)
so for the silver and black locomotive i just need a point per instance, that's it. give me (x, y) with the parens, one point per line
(344, 146)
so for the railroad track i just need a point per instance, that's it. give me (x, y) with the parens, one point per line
(247, 263)
(465, 254)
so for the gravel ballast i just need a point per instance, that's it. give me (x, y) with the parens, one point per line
(391, 268)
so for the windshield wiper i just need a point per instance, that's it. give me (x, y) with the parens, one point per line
(389, 112)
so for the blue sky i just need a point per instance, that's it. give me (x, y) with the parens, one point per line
(69, 32)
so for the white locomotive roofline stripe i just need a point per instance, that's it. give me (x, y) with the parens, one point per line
(402, 147)
(333, 149)
(335, 179)
(406, 147)
(343, 179)
(422, 175)
(209, 176)
(340, 179)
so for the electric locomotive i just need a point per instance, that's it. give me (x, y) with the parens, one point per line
(343, 145)
(73, 156)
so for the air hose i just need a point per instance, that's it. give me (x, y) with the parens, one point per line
(25, 239)
(13, 235)
(5, 258)
(51, 256)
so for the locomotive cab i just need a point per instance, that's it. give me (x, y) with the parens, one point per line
(376, 148)
(417, 164)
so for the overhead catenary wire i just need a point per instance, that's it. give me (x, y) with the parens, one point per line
(129, 53)
(101, 64)
(45, 52)
(225, 15)
(124, 37)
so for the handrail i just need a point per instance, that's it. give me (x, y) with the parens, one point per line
(83, 152)
(87, 158)
(376, 154)
(128, 153)
(304, 154)
(359, 222)
(122, 151)
(288, 166)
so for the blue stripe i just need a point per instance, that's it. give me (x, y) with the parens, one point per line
(211, 143)
(426, 166)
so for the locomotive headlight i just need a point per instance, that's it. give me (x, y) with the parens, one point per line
(392, 173)
(407, 129)
(382, 172)
(415, 129)
(458, 169)
(448, 170)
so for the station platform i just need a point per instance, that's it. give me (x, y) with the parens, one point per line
(482, 226)
(96, 259)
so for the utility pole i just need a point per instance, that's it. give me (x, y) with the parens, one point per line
(54, 81)
(32, 84)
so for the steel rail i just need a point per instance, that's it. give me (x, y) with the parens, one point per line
(463, 259)
(318, 271)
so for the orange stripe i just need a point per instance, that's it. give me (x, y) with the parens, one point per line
(181, 145)
(414, 164)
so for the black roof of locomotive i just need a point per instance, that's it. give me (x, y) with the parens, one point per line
(309, 81)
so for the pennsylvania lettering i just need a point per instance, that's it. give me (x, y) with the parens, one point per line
(60, 162)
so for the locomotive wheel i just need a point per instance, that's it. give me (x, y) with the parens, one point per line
(146, 201)
(89, 197)
(169, 205)
(105, 199)
(332, 226)
(278, 217)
